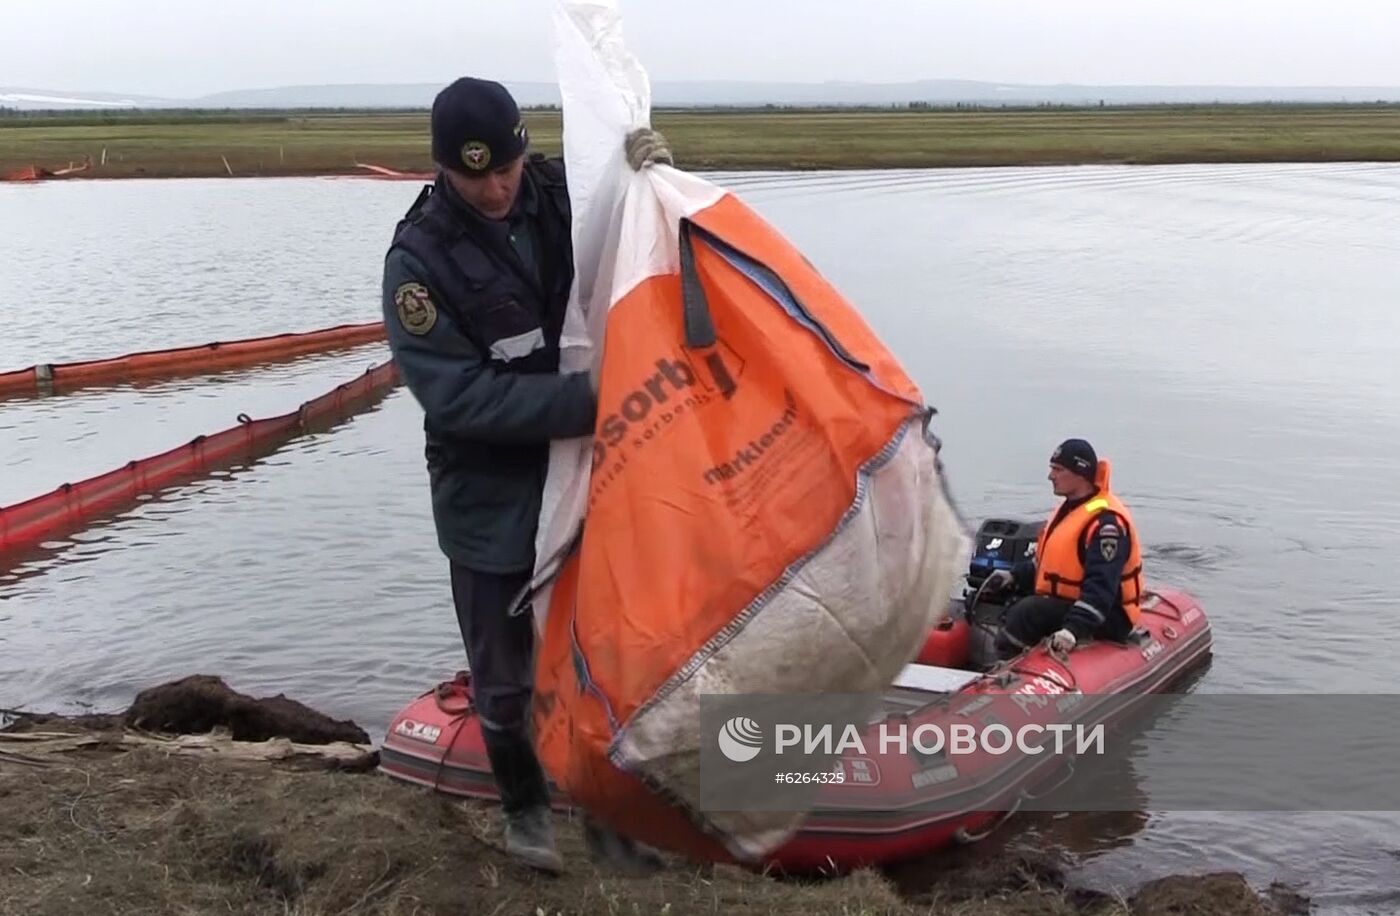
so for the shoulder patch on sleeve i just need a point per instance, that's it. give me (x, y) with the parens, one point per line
(415, 306)
(1108, 547)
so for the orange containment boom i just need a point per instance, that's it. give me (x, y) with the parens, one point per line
(39, 173)
(388, 174)
(187, 360)
(72, 505)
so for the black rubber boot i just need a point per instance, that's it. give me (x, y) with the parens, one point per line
(611, 850)
(529, 833)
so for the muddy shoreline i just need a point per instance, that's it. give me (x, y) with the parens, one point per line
(117, 814)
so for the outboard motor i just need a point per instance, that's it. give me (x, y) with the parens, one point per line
(1001, 544)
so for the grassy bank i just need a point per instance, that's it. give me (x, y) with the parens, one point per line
(263, 143)
(280, 810)
(111, 831)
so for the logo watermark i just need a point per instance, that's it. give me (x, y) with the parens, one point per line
(741, 739)
(1066, 752)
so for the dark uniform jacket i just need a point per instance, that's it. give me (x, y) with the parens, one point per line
(473, 309)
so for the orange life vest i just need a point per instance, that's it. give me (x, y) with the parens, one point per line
(1059, 567)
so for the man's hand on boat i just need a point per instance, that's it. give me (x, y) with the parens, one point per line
(1062, 641)
(1000, 579)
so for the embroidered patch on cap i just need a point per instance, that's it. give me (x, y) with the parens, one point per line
(476, 155)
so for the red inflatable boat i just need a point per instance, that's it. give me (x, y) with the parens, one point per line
(895, 806)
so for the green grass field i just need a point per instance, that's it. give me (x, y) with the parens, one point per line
(199, 143)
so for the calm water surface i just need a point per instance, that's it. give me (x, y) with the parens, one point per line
(1228, 335)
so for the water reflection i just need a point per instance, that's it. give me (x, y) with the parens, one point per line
(92, 532)
(48, 441)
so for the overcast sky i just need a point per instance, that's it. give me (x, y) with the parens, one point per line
(185, 49)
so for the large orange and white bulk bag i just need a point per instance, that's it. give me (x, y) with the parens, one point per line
(760, 508)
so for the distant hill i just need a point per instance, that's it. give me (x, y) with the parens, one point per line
(720, 93)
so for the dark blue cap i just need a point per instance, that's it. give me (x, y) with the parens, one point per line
(476, 126)
(1078, 456)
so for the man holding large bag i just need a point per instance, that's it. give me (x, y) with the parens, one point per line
(476, 283)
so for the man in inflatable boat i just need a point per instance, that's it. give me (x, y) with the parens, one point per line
(1085, 579)
(475, 285)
